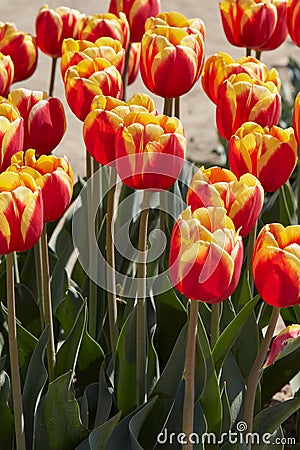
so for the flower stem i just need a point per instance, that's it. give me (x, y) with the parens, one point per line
(52, 77)
(168, 106)
(177, 107)
(125, 73)
(251, 242)
(13, 354)
(255, 372)
(189, 376)
(248, 51)
(51, 357)
(258, 55)
(141, 318)
(215, 324)
(110, 259)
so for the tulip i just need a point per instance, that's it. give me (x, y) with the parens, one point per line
(52, 175)
(150, 151)
(6, 74)
(22, 49)
(249, 23)
(137, 12)
(75, 51)
(88, 79)
(296, 118)
(11, 133)
(268, 153)
(206, 255)
(44, 119)
(172, 54)
(102, 123)
(282, 340)
(134, 62)
(276, 265)
(280, 32)
(220, 66)
(293, 21)
(115, 26)
(242, 99)
(21, 212)
(53, 26)
(243, 199)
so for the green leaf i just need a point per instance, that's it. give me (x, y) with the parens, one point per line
(235, 386)
(35, 381)
(287, 204)
(137, 422)
(99, 437)
(231, 333)
(58, 424)
(27, 310)
(105, 399)
(6, 415)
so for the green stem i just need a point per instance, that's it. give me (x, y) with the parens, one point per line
(251, 242)
(255, 372)
(215, 324)
(298, 186)
(52, 77)
(110, 259)
(51, 357)
(16, 265)
(39, 279)
(168, 106)
(141, 318)
(88, 165)
(258, 55)
(248, 51)
(177, 107)
(125, 73)
(189, 376)
(13, 354)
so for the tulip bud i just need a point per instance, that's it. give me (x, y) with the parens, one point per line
(137, 12)
(150, 151)
(44, 119)
(243, 199)
(93, 27)
(6, 74)
(248, 23)
(220, 66)
(22, 49)
(11, 133)
(102, 123)
(242, 99)
(276, 265)
(88, 79)
(21, 212)
(268, 153)
(206, 255)
(172, 54)
(285, 338)
(52, 175)
(53, 26)
(293, 21)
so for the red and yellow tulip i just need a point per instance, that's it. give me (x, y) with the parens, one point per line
(134, 62)
(150, 151)
(52, 175)
(21, 212)
(248, 23)
(75, 51)
(243, 99)
(115, 26)
(243, 199)
(220, 66)
(22, 49)
(44, 119)
(88, 79)
(293, 21)
(296, 118)
(276, 265)
(102, 123)
(11, 133)
(206, 255)
(53, 25)
(172, 54)
(280, 32)
(137, 12)
(268, 153)
(282, 340)
(6, 74)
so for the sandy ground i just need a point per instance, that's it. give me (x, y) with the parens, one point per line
(197, 112)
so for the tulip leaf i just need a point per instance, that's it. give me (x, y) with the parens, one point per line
(120, 436)
(27, 310)
(287, 205)
(105, 399)
(136, 424)
(99, 437)
(58, 422)
(59, 277)
(35, 381)
(231, 333)
(6, 414)
(235, 386)
(88, 405)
